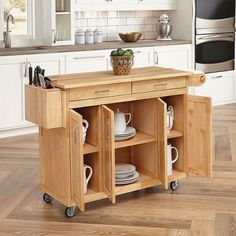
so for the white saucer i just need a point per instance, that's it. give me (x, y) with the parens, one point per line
(129, 130)
(122, 138)
(135, 175)
(124, 168)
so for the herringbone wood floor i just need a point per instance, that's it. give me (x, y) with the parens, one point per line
(201, 207)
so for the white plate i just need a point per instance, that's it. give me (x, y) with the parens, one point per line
(122, 138)
(135, 175)
(124, 168)
(125, 175)
(129, 130)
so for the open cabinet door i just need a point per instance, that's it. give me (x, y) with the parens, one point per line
(162, 141)
(108, 152)
(77, 163)
(199, 136)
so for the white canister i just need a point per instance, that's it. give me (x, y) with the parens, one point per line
(98, 36)
(89, 36)
(80, 37)
(170, 160)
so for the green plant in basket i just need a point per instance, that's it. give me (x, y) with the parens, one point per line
(122, 61)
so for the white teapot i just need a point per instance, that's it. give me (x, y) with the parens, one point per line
(85, 128)
(170, 118)
(120, 121)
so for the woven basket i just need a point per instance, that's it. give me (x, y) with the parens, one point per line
(122, 64)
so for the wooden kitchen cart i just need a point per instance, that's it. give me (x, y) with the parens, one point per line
(145, 93)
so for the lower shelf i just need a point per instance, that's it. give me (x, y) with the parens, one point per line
(143, 182)
(91, 196)
(177, 175)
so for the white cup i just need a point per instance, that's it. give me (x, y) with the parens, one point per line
(85, 128)
(170, 118)
(120, 121)
(87, 178)
(170, 161)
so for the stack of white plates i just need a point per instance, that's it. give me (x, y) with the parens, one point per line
(127, 134)
(126, 174)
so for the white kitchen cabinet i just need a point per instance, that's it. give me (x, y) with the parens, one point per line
(174, 56)
(13, 69)
(143, 57)
(122, 5)
(12, 97)
(220, 86)
(80, 62)
(58, 26)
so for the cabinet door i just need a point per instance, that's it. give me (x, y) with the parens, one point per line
(108, 153)
(162, 141)
(143, 57)
(177, 57)
(77, 163)
(12, 92)
(199, 126)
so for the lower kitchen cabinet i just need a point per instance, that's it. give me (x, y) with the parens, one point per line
(220, 86)
(143, 57)
(64, 154)
(174, 56)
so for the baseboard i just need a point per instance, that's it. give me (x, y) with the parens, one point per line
(223, 103)
(19, 131)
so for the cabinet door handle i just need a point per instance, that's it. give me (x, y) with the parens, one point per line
(91, 57)
(137, 52)
(102, 91)
(159, 85)
(76, 139)
(156, 59)
(54, 36)
(217, 77)
(108, 124)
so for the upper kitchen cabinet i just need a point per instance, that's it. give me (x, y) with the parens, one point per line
(174, 56)
(58, 22)
(122, 5)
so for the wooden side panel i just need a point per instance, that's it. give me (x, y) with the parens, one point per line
(44, 107)
(162, 142)
(199, 135)
(55, 163)
(77, 163)
(108, 151)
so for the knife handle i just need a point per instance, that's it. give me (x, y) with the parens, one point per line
(30, 75)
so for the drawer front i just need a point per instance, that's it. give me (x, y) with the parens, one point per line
(100, 91)
(158, 84)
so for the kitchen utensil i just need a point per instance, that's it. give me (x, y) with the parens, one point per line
(170, 160)
(87, 178)
(30, 75)
(120, 121)
(130, 37)
(85, 128)
(170, 117)
(164, 28)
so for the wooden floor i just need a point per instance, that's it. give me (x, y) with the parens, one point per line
(205, 207)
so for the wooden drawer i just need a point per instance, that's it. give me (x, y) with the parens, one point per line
(44, 107)
(158, 84)
(100, 91)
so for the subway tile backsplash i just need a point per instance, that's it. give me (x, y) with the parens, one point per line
(113, 22)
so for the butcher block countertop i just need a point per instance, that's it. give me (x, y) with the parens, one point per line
(140, 74)
(88, 47)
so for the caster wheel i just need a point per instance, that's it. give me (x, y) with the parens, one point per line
(174, 185)
(70, 211)
(47, 198)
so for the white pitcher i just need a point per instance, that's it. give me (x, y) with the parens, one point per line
(170, 160)
(170, 118)
(120, 121)
(85, 128)
(87, 178)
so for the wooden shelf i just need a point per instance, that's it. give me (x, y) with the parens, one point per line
(88, 149)
(139, 138)
(143, 182)
(63, 13)
(177, 175)
(91, 196)
(174, 134)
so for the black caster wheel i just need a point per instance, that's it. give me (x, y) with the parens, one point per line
(70, 211)
(174, 185)
(47, 198)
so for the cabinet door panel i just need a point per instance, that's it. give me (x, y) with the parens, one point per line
(108, 153)
(199, 137)
(77, 163)
(162, 141)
